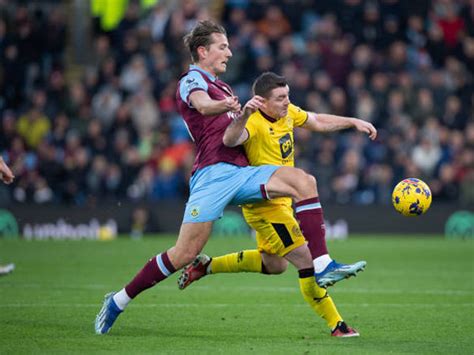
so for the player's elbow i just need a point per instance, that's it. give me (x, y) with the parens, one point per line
(229, 141)
(318, 127)
(202, 109)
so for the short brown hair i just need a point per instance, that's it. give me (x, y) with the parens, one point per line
(200, 35)
(266, 82)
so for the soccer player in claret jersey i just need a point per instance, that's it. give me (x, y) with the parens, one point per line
(221, 176)
(268, 139)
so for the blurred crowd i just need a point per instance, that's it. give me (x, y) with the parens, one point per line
(113, 132)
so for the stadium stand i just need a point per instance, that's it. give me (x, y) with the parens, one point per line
(112, 132)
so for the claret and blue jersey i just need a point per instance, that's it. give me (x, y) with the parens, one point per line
(221, 174)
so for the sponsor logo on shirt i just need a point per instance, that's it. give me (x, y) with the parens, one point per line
(286, 146)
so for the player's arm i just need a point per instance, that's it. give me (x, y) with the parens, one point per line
(5, 173)
(323, 122)
(236, 134)
(206, 106)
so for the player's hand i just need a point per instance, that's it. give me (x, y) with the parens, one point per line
(5, 173)
(365, 127)
(232, 103)
(252, 105)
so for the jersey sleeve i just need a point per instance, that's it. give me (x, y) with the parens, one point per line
(299, 115)
(191, 82)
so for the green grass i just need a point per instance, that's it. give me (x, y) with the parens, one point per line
(416, 296)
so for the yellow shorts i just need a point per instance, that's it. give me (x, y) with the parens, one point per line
(278, 231)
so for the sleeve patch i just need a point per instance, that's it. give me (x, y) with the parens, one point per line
(191, 82)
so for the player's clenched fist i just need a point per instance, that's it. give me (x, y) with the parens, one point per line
(253, 105)
(5, 173)
(232, 103)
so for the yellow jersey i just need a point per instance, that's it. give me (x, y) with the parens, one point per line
(271, 142)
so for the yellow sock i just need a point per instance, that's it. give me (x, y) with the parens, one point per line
(319, 300)
(243, 261)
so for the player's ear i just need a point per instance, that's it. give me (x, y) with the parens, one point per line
(202, 52)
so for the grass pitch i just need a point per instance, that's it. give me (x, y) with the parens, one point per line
(416, 296)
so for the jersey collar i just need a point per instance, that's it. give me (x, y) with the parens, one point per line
(206, 73)
(268, 118)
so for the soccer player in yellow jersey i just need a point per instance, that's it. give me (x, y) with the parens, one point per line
(268, 139)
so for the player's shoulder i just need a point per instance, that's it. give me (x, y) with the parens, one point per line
(255, 115)
(192, 74)
(192, 79)
(295, 110)
(255, 118)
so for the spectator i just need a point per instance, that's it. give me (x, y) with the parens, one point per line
(33, 126)
(113, 130)
(426, 156)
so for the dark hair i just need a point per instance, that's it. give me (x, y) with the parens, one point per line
(266, 82)
(200, 35)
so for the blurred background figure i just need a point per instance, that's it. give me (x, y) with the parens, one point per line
(7, 177)
(87, 104)
(6, 269)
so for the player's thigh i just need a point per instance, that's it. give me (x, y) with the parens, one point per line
(277, 230)
(291, 182)
(254, 180)
(211, 190)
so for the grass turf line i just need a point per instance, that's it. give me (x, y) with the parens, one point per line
(416, 296)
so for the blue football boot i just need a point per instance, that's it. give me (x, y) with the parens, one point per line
(336, 272)
(107, 315)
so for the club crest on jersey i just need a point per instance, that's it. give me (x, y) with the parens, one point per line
(297, 231)
(271, 131)
(194, 211)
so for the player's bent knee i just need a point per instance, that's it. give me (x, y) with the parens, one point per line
(310, 183)
(281, 269)
(305, 184)
(274, 266)
(277, 268)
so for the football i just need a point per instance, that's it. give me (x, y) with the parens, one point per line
(411, 197)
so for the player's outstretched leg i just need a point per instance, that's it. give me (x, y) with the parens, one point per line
(107, 315)
(194, 271)
(310, 215)
(335, 272)
(323, 305)
(317, 297)
(192, 238)
(242, 261)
